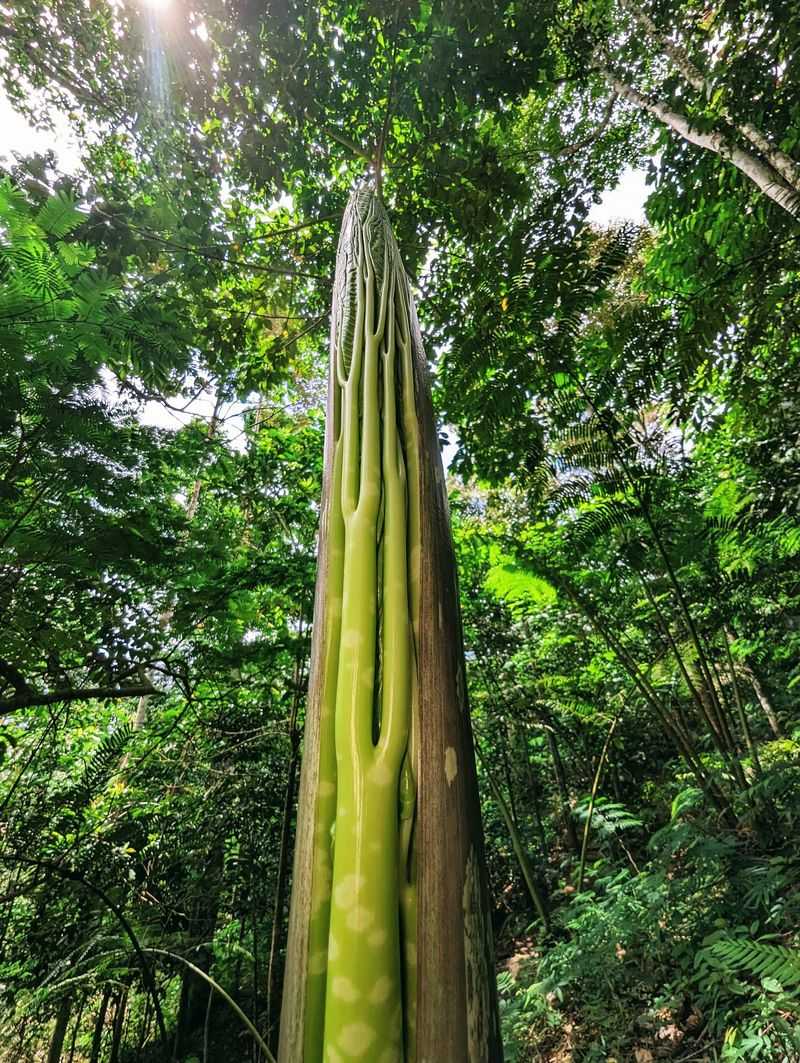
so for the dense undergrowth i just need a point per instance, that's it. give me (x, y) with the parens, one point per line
(694, 955)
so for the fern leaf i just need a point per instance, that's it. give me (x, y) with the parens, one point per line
(101, 766)
(59, 215)
(760, 958)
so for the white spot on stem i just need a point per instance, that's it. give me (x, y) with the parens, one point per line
(381, 773)
(344, 989)
(450, 765)
(360, 919)
(346, 892)
(381, 990)
(356, 1038)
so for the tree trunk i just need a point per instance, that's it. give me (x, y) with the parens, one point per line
(533, 788)
(99, 1026)
(719, 143)
(505, 742)
(765, 702)
(537, 896)
(563, 792)
(452, 1014)
(76, 1030)
(119, 1025)
(191, 1007)
(59, 1031)
(782, 163)
(761, 694)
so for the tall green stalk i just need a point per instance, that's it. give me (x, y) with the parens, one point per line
(359, 974)
(389, 955)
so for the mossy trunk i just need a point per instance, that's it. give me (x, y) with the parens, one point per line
(389, 956)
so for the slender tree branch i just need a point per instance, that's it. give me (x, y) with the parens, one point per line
(593, 797)
(225, 996)
(779, 160)
(763, 176)
(33, 698)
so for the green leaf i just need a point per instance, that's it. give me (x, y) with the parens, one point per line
(59, 215)
(516, 585)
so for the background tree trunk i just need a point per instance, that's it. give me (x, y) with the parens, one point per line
(59, 1031)
(99, 1026)
(191, 1008)
(119, 1024)
(563, 791)
(76, 1029)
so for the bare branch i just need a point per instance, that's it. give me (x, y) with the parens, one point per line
(760, 173)
(33, 698)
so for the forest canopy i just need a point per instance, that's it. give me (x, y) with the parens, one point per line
(618, 404)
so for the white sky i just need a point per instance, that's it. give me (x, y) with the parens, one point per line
(625, 202)
(17, 135)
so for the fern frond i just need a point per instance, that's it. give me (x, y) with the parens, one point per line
(609, 817)
(763, 959)
(101, 766)
(605, 515)
(59, 215)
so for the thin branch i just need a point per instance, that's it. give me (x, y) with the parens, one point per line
(26, 701)
(346, 142)
(763, 176)
(225, 996)
(782, 163)
(593, 797)
(587, 141)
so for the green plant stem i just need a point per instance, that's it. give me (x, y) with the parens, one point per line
(361, 986)
(259, 1040)
(516, 841)
(593, 797)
